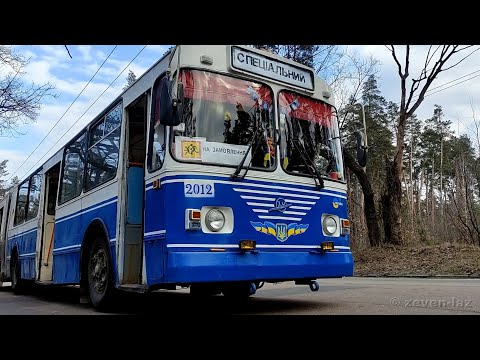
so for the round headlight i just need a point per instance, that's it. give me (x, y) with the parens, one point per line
(215, 220)
(329, 225)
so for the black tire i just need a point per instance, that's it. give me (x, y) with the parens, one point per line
(237, 292)
(100, 275)
(18, 284)
(203, 291)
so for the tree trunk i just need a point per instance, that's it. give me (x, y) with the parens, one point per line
(392, 197)
(432, 192)
(442, 221)
(351, 208)
(407, 191)
(368, 198)
(409, 205)
(464, 187)
(427, 192)
(419, 193)
(391, 204)
(411, 181)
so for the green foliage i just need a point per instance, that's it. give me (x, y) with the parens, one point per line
(3, 173)
(131, 78)
(435, 135)
(304, 54)
(379, 134)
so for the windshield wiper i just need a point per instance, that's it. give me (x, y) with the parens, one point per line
(235, 175)
(304, 155)
(310, 164)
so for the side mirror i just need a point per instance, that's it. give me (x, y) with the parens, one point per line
(171, 109)
(361, 149)
(180, 98)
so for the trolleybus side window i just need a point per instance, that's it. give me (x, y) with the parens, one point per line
(21, 203)
(34, 196)
(103, 149)
(156, 150)
(73, 166)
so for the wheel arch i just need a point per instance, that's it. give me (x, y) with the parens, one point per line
(96, 228)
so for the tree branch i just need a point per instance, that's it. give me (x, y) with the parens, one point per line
(392, 50)
(466, 57)
(446, 53)
(19, 102)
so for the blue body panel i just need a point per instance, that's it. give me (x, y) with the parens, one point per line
(26, 245)
(155, 250)
(69, 233)
(188, 266)
(287, 240)
(175, 255)
(135, 183)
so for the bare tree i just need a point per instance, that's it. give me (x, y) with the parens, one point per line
(392, 197)
(464, 213)
(19, 102)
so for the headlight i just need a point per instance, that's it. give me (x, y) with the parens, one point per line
(215, 220)
(329, 225)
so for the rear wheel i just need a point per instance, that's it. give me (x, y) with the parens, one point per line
(100, 275)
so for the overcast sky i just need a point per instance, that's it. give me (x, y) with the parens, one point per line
(52, 63)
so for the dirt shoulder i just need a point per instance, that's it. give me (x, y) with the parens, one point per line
(433, 260)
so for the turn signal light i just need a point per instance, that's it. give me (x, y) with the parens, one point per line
(195, 215)
(345, 227)
(247, 245)
(327, 246)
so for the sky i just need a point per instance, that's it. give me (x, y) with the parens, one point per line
(52, 63)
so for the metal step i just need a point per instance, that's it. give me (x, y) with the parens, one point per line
(45, 282)
(138, 288)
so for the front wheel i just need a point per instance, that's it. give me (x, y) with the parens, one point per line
(239, 292)
(100, 276)
(203, 291)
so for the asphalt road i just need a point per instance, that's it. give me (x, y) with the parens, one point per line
(347, 296)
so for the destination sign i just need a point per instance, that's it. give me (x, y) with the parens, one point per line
(270, 68)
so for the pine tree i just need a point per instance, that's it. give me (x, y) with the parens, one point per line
(131, 78)
(3, 172)
(303, 54)
(379, 135)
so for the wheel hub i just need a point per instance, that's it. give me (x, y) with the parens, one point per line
(99, 270)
